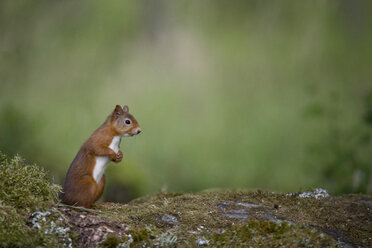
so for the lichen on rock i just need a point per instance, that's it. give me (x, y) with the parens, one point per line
(316, 193)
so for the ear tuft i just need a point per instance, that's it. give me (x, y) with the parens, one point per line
(118, 111)
(125, 109)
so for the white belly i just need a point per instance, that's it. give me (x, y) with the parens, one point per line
(103, 161)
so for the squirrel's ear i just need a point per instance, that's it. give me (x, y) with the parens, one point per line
(125, 109)
(117, 111)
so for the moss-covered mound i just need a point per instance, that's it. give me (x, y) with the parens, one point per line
(28, 213)
(244, 218)
(31, 216)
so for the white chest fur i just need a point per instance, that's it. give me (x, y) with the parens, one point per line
(103, 161)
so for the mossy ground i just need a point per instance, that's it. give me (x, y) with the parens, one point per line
(207, 218)
(30, 217)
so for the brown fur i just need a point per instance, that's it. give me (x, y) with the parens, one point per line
(80, 187)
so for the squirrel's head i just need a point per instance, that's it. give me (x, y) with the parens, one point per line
(123, 122)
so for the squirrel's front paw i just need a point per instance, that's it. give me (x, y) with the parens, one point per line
(119, 156)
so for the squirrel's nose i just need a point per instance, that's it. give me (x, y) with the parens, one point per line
(138, 131)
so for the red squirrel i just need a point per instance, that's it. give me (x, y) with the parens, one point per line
(85, 179)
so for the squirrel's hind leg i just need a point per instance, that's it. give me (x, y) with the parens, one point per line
(100, 188)
(83, 193)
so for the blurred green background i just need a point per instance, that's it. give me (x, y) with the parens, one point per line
(275, 95)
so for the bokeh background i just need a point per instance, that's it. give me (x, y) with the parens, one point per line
(275, 95)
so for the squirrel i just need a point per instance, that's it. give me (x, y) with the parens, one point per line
(85, 179)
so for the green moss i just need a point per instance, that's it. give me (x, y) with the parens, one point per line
(25, 187)
(271, 234)
(153, 237)
(13, 230)
(111, 241)
(28, 214)
(141, 235)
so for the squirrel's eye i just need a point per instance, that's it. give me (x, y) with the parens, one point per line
(127, 122)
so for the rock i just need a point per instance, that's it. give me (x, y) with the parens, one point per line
(169, 219)
(202, 242)
(91, 230)
(237, 214)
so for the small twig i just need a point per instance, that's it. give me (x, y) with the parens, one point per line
(80, 208)
(64, 217)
